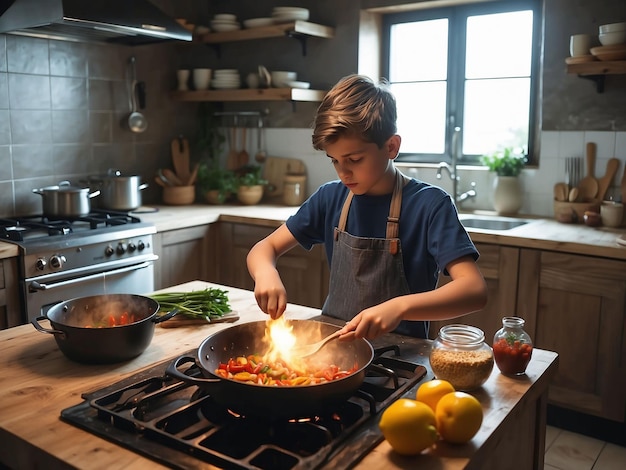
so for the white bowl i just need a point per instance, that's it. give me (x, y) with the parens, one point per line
(613, 38)
(279, 77)
(225, 17)
(222, 27)
(258, 22)
(609, 28)
(297, 84)
(288, 16)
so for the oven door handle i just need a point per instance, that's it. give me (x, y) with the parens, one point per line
(35, 286)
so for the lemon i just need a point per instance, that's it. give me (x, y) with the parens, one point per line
(430, 392)
(459, 416)
(409, 426)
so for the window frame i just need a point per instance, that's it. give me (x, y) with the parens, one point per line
(457, 16)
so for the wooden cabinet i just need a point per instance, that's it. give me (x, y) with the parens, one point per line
(499, 266)
(10, 310)
(576, 305)
(184, 255)
(304, 273)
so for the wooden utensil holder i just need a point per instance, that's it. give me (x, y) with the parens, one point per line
(573, 212)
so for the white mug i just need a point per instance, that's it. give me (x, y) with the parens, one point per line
(579, 45)
(183, 78)
(611, 213)
(201, 79)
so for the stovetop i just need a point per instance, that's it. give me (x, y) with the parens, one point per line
(179, 425)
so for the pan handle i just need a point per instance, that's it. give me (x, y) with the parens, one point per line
(41, 329)
(172, 371)
(166, 316)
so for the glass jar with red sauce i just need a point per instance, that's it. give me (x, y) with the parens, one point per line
(512, 347)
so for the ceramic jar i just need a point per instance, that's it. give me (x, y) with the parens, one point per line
(294, 189)
(507, 194)
(512, 347)
(461, 356)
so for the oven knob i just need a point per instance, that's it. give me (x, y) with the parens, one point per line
(121, 249)
(132, 247)
(108, 251)
(56, 261)
(41, 263)
(141, 245)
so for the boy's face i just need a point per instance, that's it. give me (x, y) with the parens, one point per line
(362, 166)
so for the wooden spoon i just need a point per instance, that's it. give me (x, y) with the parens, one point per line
(180, 157)
(604, 182)
(588, 186)
(560, 192)
(306, 350)
(243, 157)
(172, 177)
(573, 195)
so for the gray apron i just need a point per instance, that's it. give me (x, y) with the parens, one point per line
(368, 271)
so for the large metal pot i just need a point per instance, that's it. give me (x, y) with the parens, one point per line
(84, 331)
(284, 401)
(66, 200)
(121, 193)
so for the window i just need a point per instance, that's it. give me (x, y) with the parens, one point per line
(463, 79)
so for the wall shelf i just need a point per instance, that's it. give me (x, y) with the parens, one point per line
(597, 70)
(299, 30)
(247, 94)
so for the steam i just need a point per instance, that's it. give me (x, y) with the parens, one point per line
(95, 311)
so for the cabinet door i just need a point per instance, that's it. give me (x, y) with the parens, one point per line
(499, 265)
(575, 305)
(183, 256)
(300, 270)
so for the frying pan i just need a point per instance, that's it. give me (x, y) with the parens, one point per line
(275, 402)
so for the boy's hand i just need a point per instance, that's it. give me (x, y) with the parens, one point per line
(270, 294)
(372, 322)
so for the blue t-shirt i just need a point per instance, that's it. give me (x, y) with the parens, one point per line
(431, 235)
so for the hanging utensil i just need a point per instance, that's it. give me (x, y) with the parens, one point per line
(261, 155)
(136, 121)
(232, 159)
(243, 157)
(588, 186)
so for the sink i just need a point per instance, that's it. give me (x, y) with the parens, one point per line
(492, 223)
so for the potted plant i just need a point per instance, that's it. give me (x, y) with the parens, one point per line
(209, 139)
(250, 185)
(216, 183)
(507, 192)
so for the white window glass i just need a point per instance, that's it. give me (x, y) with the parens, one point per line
(419, 51)
(421, 116)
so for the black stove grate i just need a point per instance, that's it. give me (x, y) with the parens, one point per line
(36, 226)
(178, 425)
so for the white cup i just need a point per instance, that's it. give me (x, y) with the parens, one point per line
(183, 78)
(579, 45)
(201, 79)
(611, 213)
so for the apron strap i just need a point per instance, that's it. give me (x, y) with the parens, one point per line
(393, 220)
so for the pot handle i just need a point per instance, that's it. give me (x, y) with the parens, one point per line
(142, 186)
(94, 194)
(167, 316)
(41, 329)
(172, 371)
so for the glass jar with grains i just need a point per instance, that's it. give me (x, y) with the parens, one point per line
(461, 356)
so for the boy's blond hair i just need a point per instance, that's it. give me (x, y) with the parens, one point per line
(356, 106)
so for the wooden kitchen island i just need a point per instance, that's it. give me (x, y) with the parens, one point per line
(38, 381)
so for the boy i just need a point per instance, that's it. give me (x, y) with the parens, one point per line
(386, 236)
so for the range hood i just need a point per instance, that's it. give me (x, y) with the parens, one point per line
(130, 22)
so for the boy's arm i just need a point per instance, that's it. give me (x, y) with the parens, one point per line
(269, 290)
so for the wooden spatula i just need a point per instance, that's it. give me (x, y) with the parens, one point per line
(603, 183)
(588, 186)
(180, 157)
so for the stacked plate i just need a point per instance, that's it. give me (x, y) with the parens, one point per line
(287, 14)
(226, 79)
(223, 22)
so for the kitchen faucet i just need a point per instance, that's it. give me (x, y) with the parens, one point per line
(452, 172)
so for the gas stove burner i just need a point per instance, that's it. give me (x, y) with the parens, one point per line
(181, 426)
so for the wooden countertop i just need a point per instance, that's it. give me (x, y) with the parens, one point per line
(540, 233)
(38, 381)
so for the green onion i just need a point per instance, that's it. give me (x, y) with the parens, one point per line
(208, 303)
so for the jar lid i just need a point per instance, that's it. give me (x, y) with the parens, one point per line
(294, 178)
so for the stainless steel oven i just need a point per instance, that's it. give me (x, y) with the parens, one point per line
(100, 253)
